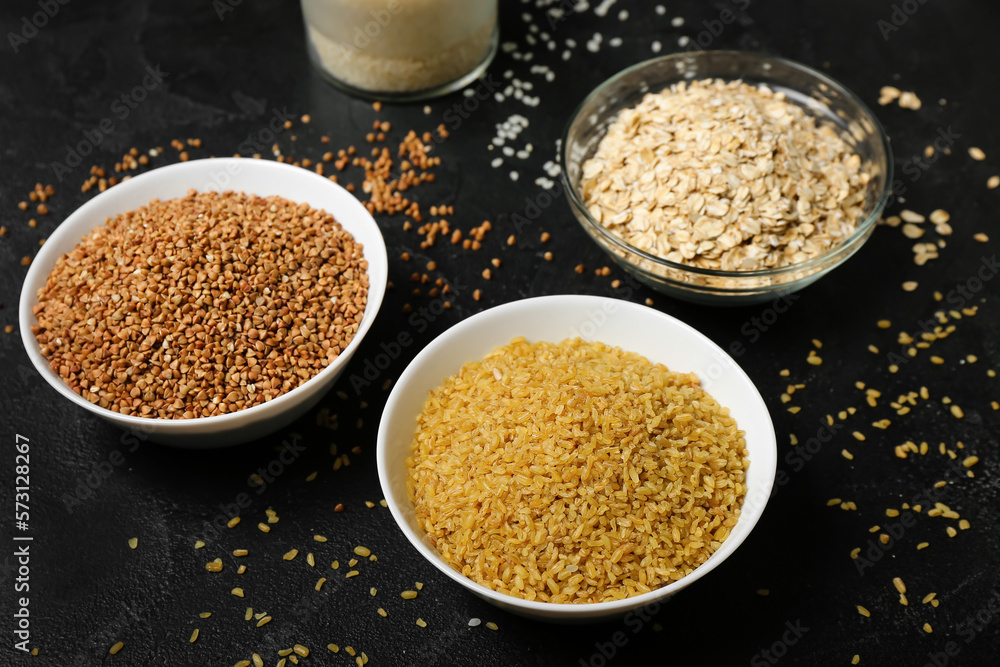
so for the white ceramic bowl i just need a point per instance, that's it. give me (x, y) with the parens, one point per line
(259, 177)
(632, 327)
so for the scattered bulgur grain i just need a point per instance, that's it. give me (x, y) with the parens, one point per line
(957, 411)
(238, 592)
(977, 154)
(486, 274)
(864, 612)
(847, 455)
(205, 614)
(194, 636)
(117, 647)
(547, 256)
(264, 527)
(291, 554)
(133, 542)
(408, 595)
(381, 612)
(199, 544)
(422, 623)
(301, 650)
(992, 182)
(232, 523)
(511, 240)
(492, 626)
(927, 628)
(884, 324)
(909, 285)
(264, 621)
(923, 545)
(352, 573)
(981, 237)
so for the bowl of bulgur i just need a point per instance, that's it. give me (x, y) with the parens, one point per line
(573, 458)
(726, 177)
(205, 303)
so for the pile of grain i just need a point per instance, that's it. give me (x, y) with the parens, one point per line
(202, 305)
(725, 175)
(575, 472)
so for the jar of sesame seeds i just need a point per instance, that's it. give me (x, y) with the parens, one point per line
(401, 50)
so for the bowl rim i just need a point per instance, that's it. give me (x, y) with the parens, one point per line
(595, 610)
(45, 260)
(860, 232)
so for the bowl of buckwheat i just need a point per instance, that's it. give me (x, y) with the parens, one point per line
(205, 303)
(726, 177)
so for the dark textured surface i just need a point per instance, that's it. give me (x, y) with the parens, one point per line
(223, 80)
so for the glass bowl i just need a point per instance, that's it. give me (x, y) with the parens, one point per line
(819, 95)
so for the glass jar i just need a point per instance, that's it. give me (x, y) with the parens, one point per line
(400, 50)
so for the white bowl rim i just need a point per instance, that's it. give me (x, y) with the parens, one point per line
(47, 256)
(581, 610)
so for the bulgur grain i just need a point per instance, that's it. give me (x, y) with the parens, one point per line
(507, 528)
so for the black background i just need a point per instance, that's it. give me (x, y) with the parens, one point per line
(223, 80)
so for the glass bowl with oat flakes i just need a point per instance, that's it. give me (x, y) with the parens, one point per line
(726, 177)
